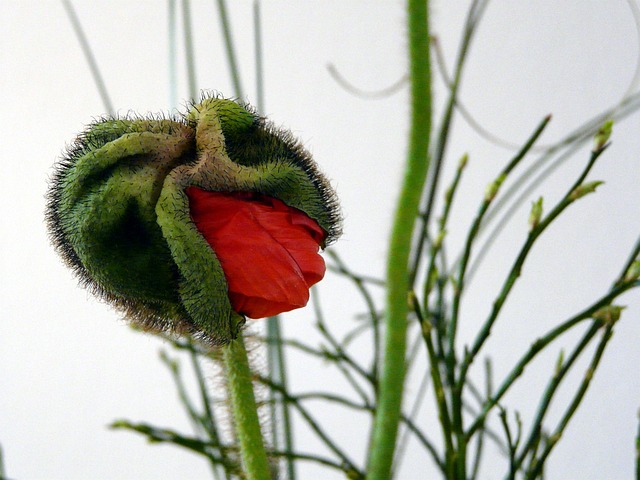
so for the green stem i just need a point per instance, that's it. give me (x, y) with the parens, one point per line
(188, 50)
(279, 408)
(231, 54)
(371, 308)
(90, 58)
(473, 17)
(438, 389)
(245, 413)
(536, 470)
(637, 454)
(393, 368)
(548, 396)
(539, 345)
(348, 465)
(172, 56)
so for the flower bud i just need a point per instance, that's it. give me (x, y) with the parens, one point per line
(584, 189)
(602, 136)
(633, 273)
(190, 224)
(536, 213)
(493, 187)
(608, 314)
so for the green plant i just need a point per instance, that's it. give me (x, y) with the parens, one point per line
(424, 296)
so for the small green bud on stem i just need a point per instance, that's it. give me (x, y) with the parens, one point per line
(602, 137)
(584, 189)
(536, 213)
(608, 314)
(633, 273)
(493, 188)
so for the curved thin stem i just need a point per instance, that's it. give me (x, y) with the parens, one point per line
(88, 55)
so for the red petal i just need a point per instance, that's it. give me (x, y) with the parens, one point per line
(268, 250)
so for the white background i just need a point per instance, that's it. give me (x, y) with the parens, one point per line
(69, 366)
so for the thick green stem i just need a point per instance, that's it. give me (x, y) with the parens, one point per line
(245, 413)
(393, 368)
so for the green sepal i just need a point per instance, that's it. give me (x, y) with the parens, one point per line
(119, 215)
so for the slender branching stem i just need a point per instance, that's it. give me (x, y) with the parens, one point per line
(348, 465)
(561, 371)
(516, 269)
(371, 308)
(436, 246)
(473, 17)
(537, 466)
(540, 345)
(438, 390)
(482, 433)
(451, 361)
(201, 422)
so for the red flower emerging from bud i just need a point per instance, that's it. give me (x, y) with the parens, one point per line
(268, 250)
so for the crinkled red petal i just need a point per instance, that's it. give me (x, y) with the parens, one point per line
(268, 250)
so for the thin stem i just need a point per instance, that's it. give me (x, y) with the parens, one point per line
(291, 456)
(245, 412)
(473, 17)
(566, 418)
(348, 465)
(172, 54)
(493, 190)
(345, 402)
(341, 353)
(516, 269)
(633, 256)
(188, 47)
(637, 453)
(165, 435)
(451, 361)
(512, 444)
(571, 143)
(278, 373)
(208, 420)
(480, 441)
(436, 246)
(554, 383)
(200, 423)
(89, 57)
(539, 345)
(438, 390)
(229, 48)
(257, 29)
(368, 298)
(393, 367)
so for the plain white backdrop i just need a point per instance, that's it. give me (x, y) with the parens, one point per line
(69, 366)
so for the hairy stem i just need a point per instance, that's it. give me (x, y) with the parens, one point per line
(245, 413)
(393, 367)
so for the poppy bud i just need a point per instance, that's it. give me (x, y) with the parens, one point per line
(190, 224)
